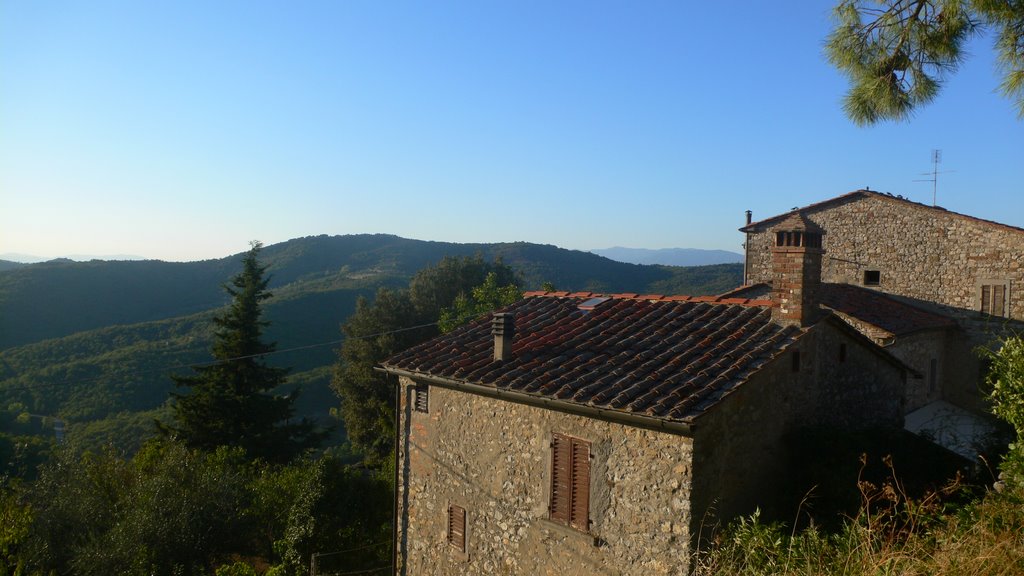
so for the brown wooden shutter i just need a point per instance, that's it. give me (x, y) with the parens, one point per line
(457, 527)
(570, 481)
(580, 507)
(986, 300)
(998, 297)
(561, 478)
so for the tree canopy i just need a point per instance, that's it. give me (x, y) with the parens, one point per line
(1006, 381)
(896, 53)
(231, 401)
(396, 320)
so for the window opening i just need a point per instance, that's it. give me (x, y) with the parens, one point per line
(872, 277)
(421, 398)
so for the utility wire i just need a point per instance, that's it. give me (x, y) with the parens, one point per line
(370, 571)
(322, 554)
(209, 363)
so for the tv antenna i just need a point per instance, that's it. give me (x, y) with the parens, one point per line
(936, 159)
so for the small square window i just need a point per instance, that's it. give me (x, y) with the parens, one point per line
(872, 278)
(421, 398)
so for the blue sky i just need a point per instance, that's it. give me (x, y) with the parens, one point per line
(182, 130)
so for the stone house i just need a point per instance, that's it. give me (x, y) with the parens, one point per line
(890, 259)
(605, 434)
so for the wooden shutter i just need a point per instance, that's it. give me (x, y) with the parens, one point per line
(561, 477)
(998, 297)
(457, 527)
(580, 507)
(421, 398)
(570, 482)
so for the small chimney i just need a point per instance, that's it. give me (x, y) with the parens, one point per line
(749, 214)
(503, 328)
(796, 271)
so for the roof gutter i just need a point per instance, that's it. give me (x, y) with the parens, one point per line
(638, 420)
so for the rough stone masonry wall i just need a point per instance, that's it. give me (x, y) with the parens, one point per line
(922, 253)
(740, 457)
(493, 457)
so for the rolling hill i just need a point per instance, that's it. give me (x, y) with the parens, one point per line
(94, 342)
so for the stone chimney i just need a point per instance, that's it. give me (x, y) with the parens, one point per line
(503, 328)
(796, 271)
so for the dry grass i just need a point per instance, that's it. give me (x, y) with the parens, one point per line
(890, 535)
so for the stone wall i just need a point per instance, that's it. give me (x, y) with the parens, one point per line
(924, 254)
(492, 457)
(927, 353)
(739, 450)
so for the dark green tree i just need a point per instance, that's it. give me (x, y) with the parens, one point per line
(396, 320)
(231, 400)
(897, 52)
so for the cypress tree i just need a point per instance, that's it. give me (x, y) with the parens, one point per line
(230, 402)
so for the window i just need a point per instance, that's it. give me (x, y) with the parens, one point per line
(570, 482)
(842, 352)
(795, 361)
(872, 277)
(994, 298)
(457, 527)
(421, 397)
(933, 375)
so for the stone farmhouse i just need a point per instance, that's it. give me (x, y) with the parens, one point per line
(604, 434)
(928, 284)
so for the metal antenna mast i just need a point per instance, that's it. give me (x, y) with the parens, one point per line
(936, 159)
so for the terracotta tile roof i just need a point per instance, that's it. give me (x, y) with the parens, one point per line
(881, 310)
(664, 357)
(857, 194)
(887, 315)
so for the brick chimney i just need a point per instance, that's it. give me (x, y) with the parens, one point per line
(796, 271)
(503, 328)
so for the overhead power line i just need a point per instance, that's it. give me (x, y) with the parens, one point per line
(167, 369)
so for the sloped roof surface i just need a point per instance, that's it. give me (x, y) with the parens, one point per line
(881, 310)
(859, 194)
(665, 357)
(878, 309)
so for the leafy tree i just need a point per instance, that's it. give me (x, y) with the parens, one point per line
(897, 52)
(231, 401)
(371, 335)
(396, 320)
(1006, 379)
(483, 299)
(15, 524)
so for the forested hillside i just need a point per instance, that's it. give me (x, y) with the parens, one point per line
(94, 343)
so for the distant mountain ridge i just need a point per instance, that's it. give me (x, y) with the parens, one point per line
(670, 256)
(93, 342)
(30, 259)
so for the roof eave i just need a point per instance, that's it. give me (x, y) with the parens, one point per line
(637, 420)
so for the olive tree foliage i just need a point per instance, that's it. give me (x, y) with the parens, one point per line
(394, 321)
(173, 510)
(1006, 382)
(168, 511)
(897, 53)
